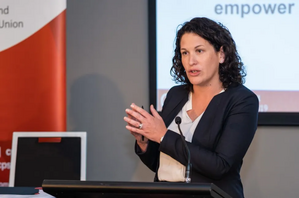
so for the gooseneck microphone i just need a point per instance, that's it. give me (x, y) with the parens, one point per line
(178, 121)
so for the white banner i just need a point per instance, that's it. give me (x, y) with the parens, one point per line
(20, 19)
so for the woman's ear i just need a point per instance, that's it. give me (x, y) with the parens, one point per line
(221, 55)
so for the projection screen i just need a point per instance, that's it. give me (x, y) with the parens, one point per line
(266, 35)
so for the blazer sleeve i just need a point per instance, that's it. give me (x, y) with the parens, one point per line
(237, 132)
(150, 156)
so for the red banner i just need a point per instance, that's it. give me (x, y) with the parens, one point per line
(32, 85)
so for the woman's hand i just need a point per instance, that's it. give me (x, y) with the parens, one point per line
(141, 123)
(141, 140)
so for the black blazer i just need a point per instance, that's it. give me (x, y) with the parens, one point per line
(220, 139)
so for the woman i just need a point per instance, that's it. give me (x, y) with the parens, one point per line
(218, 113)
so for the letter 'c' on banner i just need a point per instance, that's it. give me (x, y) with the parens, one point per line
(32, 71)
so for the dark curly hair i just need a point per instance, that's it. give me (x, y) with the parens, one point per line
(231, 71)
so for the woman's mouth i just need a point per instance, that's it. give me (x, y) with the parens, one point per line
(194, 72)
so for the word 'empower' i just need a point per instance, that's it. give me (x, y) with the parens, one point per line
(245, 9)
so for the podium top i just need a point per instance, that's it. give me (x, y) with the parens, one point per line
(111, 189)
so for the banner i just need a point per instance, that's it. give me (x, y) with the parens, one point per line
(32, 71)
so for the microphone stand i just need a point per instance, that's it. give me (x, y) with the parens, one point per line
(189, 165)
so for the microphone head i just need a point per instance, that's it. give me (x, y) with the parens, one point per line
(178, 120)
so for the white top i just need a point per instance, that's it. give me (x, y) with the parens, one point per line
(169, 168)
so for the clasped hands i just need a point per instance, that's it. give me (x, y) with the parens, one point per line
(141, 123)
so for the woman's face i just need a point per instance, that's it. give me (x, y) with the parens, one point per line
(200, 60)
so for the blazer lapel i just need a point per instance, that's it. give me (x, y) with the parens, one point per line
(174, 105)
(210, 119)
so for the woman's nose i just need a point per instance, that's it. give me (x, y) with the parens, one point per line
(192, 59)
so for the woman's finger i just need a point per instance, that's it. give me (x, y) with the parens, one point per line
(132, 122)
(154, 112)
(140, 110)
(134, 129)
(135, 114)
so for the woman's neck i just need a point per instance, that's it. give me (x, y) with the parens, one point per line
(207, 91)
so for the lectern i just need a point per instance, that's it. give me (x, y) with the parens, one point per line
(101, 189)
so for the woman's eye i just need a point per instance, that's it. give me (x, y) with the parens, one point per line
(199, 50)
(184, 53)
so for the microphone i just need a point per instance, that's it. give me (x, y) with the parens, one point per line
(178, 121)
